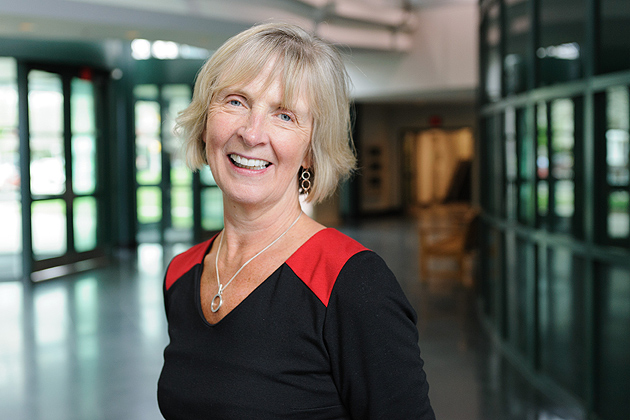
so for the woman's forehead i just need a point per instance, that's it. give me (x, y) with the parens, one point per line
(292, 86)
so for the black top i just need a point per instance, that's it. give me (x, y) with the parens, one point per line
(329, 335)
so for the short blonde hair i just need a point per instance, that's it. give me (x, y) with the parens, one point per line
(303, 61)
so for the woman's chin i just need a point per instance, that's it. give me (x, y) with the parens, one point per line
(258, 197)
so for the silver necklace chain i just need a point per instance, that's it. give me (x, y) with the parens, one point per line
(219, 295)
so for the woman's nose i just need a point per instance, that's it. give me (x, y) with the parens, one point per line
(253, 129)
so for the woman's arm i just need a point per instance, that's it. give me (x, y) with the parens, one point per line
(372, 339)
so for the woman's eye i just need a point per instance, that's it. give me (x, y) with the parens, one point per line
(234, 102)
(286, 117)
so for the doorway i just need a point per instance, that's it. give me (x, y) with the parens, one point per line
(437, 166)
(61, 191)
(174, 205)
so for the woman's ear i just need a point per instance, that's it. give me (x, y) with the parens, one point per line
(307, 162)
(205, 125)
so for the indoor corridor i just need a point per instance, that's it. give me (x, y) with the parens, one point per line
(89, 346)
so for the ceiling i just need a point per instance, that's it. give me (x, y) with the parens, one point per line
(402, 50)
(380, 25)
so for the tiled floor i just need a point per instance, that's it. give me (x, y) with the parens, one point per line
(89, 346)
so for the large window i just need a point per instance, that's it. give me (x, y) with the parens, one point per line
(555, 134)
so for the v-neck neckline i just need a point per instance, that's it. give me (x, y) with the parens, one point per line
(266, 280)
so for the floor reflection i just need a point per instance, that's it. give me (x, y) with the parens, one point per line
(89, 346)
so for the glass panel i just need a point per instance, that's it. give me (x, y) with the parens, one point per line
(49, 228)
(542, 290)
(562, 131)
(618, 214)
(9, 162)
(564, 197)
(614, 41)
(519, 24)
(542, 163)
(491, 37)
(176, 98)
(149, 205)
(526, 203)
(148, 144)
(526, 166)
(511, 163)
(510, 145)
(617, 135)
(181, 208)
(211, 209)
(8, 93)
(561, 40)
(83, 164)
(613, 362)
(561, 344)
(10, 212)
(84, 224)
(82, 106)
(83, 137)
(46, 133)
(542, 192)
(526, 264)
(526, 144)
(497, 171)
(562, 169)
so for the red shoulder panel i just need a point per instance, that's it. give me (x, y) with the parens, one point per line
(318, 262)
(185, 261)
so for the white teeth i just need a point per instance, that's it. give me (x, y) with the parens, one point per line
(243, 162)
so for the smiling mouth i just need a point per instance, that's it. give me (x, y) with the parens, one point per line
(253, 164)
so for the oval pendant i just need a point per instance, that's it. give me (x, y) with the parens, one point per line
(214, 299)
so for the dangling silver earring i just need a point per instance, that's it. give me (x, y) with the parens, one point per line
(305, 181)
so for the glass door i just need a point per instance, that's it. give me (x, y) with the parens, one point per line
(47, 165)
(173, 204)
(10, 202)
(62, 133)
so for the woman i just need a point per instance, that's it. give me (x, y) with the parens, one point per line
(276, 316)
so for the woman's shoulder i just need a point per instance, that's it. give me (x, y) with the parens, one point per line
(182, 263)
(319, 260)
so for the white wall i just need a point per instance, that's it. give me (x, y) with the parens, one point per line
(443, 61)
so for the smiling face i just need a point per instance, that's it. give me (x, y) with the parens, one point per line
(255, 144)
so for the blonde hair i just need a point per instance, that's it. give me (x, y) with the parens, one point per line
(303, 61)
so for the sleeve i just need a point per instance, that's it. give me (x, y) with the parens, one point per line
(165, 299)
(371, 335)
